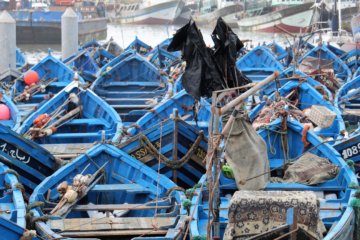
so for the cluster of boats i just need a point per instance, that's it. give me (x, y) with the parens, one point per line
(108, 144)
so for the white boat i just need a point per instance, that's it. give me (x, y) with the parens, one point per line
(146, 11)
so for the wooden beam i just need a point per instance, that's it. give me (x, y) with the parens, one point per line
(111, 207)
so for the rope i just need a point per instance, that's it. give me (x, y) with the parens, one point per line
(170, 163)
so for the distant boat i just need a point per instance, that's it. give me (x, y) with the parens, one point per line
(147, 12)
(295, 19)
(118, 189)
(355, 26)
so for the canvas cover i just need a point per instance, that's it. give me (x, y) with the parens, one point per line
(309, 169)
(255, 212)
(246, 153)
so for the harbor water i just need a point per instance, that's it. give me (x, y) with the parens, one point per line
(153, 35)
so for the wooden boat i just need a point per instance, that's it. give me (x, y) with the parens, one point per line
(15, 119)
(303, 96)
(280, 53)
(28, 159)
(349, 148)
(74, 117)
(182, 149)
(54, 76)
(197, 115)
(119, 189)
(21, 61)
(347, 100)
(335, 213)
(83, 63)
(7, 79)
(164, 45)
(294, 75)
(258, 64)
(100, 55)
(139, 46)
(132, 86)
(13, 210)
(352, 59)
(108, 66)
(162, 59)
(321, 60)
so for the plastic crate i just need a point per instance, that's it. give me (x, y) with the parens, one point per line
(321, 116)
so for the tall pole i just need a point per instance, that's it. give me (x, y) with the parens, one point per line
(7, 42)
(69, 33)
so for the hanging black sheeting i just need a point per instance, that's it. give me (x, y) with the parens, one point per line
(227, 46)
(202, 75)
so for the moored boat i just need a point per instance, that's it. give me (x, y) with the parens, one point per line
(131, 86)
(334, 212)
(73, 117)
(173, 147)
(194, 113)
(13, 210)
(47, 78)
(258, 64)
(301, 96)
(28, 159)
(13, 119)
(139, 201)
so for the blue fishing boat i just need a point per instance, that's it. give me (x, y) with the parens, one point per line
(356, 73)
(324, 63)
(73, 116)
(13, 210)
(349, 148)
(335, 211)
(21, 60)
(294, 75)
(53, 76)
(8, 78)
(258, 64)
(108, 66)
(352, 59)
(280, 53)
(100, 55)
(14, 121)
(113, 187)
(301, 96)
(164, 45)
(139, 46)
(162, 58)
(195, 114)
(132, 86)
(83, 63)
(173, 147)
(28, 159)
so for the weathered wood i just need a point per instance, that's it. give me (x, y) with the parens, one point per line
(111, 207)
(120, 187)
(113, 233)
(69, 149)
(114, 226)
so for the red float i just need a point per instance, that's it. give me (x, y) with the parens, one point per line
(4, 112)
(31, 77)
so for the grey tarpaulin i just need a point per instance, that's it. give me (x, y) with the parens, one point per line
(309, 169)
(246, 153)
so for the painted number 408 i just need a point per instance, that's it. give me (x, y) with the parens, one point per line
(351, 151)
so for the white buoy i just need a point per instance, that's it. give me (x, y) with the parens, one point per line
(69, 33)
(7, 42)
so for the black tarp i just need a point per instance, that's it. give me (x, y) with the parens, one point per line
(201, 76)
(208, 70)
(227, 47)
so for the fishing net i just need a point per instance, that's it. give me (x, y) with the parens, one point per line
(309, 169)
(255, 212)
(246, 153)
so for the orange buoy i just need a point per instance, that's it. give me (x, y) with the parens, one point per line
(31, 77)
(4, 112)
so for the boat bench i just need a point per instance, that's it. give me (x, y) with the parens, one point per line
(133, 188)
(124, 84)
(88, 121)
(302, 187)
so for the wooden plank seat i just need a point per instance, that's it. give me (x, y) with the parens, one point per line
(124, 84)
(111, 207)
(299, 187)
(134, 226)
(134, 188)
(89, 121)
